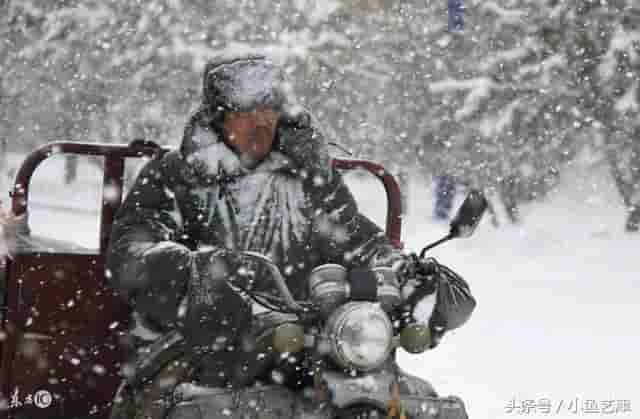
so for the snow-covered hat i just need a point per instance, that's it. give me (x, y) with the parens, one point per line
(244, 83)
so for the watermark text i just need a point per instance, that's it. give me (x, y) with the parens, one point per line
(576, 405)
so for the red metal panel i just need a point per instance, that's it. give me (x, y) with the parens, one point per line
(61, 310)
(64, 338)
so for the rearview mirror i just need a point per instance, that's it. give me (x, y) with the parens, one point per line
(469, 215)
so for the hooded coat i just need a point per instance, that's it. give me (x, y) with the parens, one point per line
(178, 234)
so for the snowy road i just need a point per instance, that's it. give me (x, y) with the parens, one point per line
(557, 304)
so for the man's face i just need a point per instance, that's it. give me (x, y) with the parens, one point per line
(251, 134)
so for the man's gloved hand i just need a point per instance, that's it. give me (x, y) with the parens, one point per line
(304, 144)
(215, 313)
(417, 276)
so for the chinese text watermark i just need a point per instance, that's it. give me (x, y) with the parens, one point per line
(41, 399)
(576, 405)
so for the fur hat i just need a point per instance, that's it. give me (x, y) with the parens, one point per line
(244, 83)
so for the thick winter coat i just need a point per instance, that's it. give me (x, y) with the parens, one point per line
(189, 211)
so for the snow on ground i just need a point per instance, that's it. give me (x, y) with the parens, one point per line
(557, 297)
(557, 306)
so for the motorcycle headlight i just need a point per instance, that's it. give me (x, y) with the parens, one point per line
(360, 335)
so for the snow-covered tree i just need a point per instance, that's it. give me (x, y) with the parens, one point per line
(619, 70)
(603, 49)
(503, 104)
(508, 107)
(119, 69)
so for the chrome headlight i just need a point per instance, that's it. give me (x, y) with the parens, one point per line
(360, 335)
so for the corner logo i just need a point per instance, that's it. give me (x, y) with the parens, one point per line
(42, 399)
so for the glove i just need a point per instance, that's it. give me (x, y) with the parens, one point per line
(305, 145)
(214, 312)
(416, 276)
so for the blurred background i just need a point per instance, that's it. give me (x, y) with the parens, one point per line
(527, 89)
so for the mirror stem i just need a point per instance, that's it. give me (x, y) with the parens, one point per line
(437, 243)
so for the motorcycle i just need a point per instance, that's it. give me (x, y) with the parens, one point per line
(332, 355)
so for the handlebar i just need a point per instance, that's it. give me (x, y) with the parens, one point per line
(387, 294)
(281, 284)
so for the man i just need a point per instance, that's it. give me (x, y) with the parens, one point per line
(252, 174)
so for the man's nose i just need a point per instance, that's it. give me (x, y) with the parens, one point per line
(261, 123)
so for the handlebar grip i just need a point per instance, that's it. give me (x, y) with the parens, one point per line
(363, 285)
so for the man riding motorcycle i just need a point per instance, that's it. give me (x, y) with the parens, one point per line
(252, 174)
